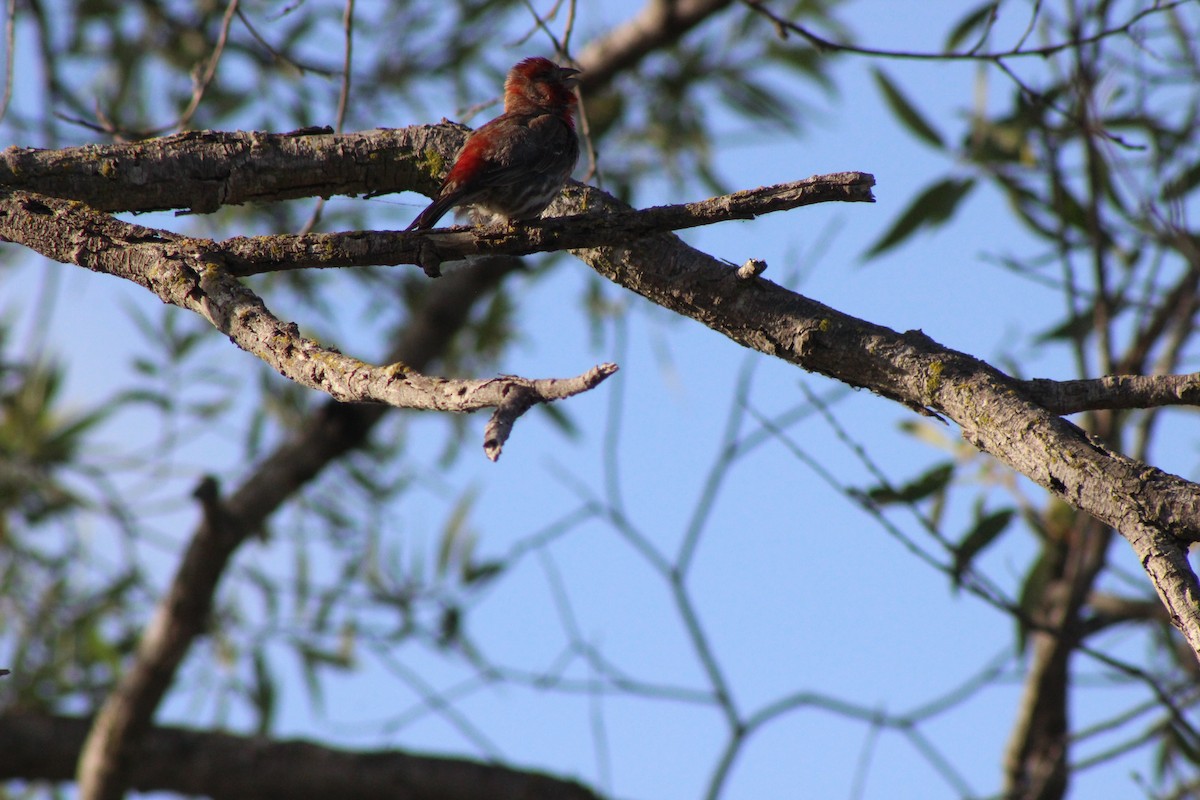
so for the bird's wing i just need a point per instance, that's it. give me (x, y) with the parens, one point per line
(535, 145)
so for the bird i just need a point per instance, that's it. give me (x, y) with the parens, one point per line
(511, 168)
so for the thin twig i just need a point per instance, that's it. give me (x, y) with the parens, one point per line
(210, 69)
(258, 37)
(10, 48)
(784, 24)
(343, 101)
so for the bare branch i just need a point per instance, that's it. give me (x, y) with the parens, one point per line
(254, 255)
(203, 78)
(41, 747)
(1115, 391)
(521, 395)
(204, 170)
(657, 25)
(10, 54)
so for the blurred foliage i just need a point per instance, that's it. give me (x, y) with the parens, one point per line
(65, 627)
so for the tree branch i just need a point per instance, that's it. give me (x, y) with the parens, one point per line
(204, 170)
(188, 273)
(41, 747)
(258, 254)
(1115, 391)
(658, 24)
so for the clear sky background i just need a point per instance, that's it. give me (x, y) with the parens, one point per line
(798, 589)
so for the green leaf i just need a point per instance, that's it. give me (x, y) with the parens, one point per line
(1183, 741)
(560, 419)
(1074, 328)
(981, 18)
(1079, 326)
(312, 680)
(262, 693)
(999, 142)
(1032, 590)
(1183, 183)
(926, 484)
(449, 626)
(928, 210)
(906, 112)
(985, 531)
(458, 539)
(482, 573)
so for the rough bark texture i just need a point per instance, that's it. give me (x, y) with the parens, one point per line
(201, 171)
(1115, 392)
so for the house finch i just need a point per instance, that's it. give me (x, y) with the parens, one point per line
(515, 165)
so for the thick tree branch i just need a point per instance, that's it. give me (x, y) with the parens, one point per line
(204, 170)
(40, 747)
(189, 274)
(658, 24)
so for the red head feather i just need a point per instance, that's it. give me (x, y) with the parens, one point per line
(539, 85)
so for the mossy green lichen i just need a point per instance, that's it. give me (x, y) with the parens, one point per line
(933, 378)
(824, 325)
(108, 168)
(432, 161)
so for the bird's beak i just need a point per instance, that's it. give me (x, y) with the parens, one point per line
(569, 77)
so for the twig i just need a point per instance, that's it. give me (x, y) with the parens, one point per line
(785, 25)
(343, 100)
(210, 69)
(258, 37)
(10, 46)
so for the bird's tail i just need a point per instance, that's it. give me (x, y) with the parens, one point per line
(432, 213)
